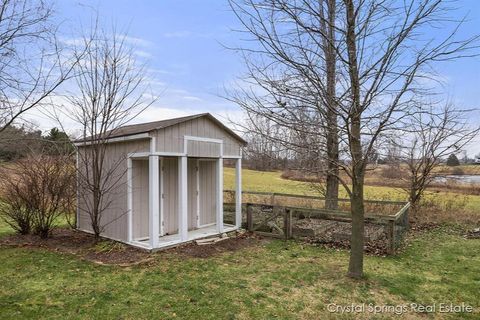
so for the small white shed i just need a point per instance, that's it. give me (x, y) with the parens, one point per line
(170, 186)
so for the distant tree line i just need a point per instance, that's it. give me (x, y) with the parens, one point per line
(17, 142)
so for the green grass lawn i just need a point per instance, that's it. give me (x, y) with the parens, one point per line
(277, 279)
(285, 280)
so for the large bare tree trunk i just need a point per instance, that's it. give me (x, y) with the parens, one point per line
(332, 123)
(355, 267)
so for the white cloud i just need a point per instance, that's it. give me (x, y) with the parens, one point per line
(177, 34)
(186, 34)
(142, 54)
(192, 98)
(135, 41)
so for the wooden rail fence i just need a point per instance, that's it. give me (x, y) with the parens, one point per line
(276, 218)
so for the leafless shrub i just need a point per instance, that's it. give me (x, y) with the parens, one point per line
(393, 171)
(36, 191)
(457, 171)
(434, 133)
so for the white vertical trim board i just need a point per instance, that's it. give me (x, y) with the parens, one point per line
(153, 144)
(162, 191)
(78, 190)
(182, 199)
(238, 193)
(153, 201)
(198, 192)
(219, 195)
(129, 200)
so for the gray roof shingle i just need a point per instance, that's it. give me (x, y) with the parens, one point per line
(155, 125)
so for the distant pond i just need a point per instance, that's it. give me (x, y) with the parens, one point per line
(467, 179)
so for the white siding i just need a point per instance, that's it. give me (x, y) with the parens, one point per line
(203, 149)
(114, 217)
(170, 139)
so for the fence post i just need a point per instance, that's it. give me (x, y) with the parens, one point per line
(407, 222)
(391, 237)
(287, 223)
(249, 217)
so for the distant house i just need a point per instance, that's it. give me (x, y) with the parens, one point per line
(172, 191)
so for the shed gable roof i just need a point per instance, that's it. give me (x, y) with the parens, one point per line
(156, 125)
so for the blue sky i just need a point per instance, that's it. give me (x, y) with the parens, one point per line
(182, 42)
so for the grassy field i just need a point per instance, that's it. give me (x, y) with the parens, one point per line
(277, 279)
(272, 182)
(465, 169)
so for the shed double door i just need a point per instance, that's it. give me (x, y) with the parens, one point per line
(201, 198)
(201, 192)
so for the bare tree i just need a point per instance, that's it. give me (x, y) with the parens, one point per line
(32, 62)
(262, 152)
(110, 92)
(384, 53)
(297, 76)
(434, 134)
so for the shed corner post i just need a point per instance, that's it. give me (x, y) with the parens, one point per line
(153, 197)
(238, 193)
(219, 196)
(182, 198)
(77, 184)
(130, 199)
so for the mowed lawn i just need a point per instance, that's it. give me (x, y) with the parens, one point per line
(272, 279)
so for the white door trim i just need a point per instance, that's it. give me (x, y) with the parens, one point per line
(162, 197)
(153, 197)
(130, 199)
(182, 198)
(197, 163)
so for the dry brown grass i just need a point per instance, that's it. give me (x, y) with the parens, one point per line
(437, 209)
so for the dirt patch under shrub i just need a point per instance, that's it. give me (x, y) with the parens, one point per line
(80, 244)
(109, 252)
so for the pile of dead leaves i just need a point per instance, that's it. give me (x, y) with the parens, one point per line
(473, 234)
